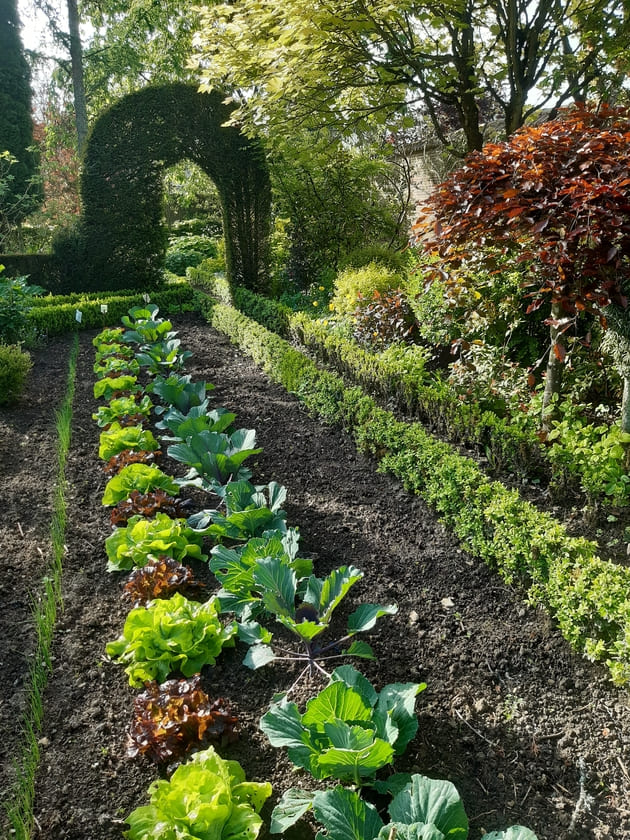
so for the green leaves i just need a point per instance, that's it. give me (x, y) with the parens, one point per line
(215, 458)
(122, 407)
(206, 799)
(118, 438)
(426, 809)
(107, 387)
(178, 392)
(346, 816)
(433, 802)
(163, 354)
(348, 731)
(131, 546)
(140, 477)
(197, 419)
(171, 635)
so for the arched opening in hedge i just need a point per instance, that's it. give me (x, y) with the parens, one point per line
(122, 237)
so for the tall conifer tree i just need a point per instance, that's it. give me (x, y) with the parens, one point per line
(20, 192)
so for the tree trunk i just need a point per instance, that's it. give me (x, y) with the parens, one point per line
(78, 87)
(555, 365)
(625, 405)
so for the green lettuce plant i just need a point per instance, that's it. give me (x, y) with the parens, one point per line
(250, 511)
(133, 546)
(348, 731)
(215, 458)
(205, 799)
(141, 477)
(121, 407)
(113, 349)
(113, 366)
(425, 809)
(110, 335)
(118, 438)
(168, 636)
(115, 385)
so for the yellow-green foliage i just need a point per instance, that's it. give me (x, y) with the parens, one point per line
(15, 365)
(354, 282)
(586, 595)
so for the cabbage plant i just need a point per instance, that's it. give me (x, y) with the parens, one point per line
(215, 458)
(248, 511)
(425, 809)
(178, 391)
(144, 326)
(183, 425)
(305, 607)
(349, 731)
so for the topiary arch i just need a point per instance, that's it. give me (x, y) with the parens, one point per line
(121, 235)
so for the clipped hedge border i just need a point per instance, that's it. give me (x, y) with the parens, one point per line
(59, 318)
(587, 596)
(81, 297)
(506, 447)
(437, 407)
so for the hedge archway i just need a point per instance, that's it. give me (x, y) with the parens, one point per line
(122, 237)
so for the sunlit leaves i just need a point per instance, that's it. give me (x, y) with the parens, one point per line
(171, 718)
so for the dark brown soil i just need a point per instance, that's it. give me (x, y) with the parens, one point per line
(529, 732)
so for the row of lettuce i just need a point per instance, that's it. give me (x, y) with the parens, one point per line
(348, 731)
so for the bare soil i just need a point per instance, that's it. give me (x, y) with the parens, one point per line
(528, 731)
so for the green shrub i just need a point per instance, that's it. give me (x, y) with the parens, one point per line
(381, 254)
(352, 284)
(15, 365)
(186, 251)
(131, 145)
(16, 300)
(586, 595)
(100, 310)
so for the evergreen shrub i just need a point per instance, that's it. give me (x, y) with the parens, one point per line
(15, 365)
(122, 240)
(586, 595)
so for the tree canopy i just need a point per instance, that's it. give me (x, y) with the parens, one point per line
(20, 192)
(458, 62)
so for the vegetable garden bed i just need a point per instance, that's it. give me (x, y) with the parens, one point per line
(528, 731)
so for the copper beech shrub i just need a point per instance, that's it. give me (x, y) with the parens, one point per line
(556, 196)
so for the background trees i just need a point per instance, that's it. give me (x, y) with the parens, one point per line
(20, 192)
(458, 62)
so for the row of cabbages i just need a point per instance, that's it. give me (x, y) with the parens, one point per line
(347, 732)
